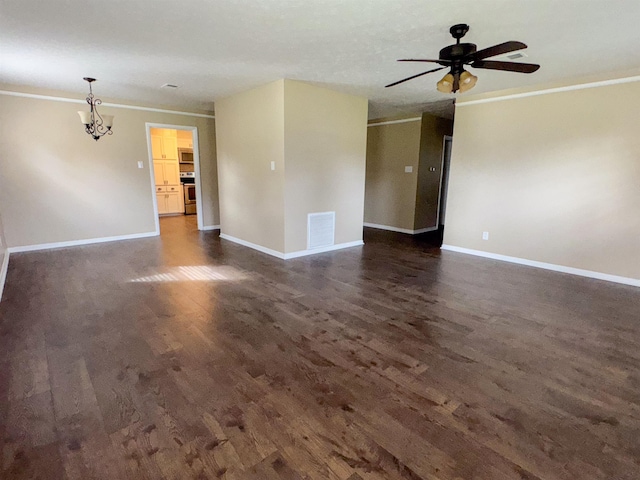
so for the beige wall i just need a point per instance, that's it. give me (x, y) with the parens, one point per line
(432, 136)
(396, 199)
(57, 184)
(553, 178)
(390, 197)
(325, 154)
(250, 135)
(3, 246)
(317, 139)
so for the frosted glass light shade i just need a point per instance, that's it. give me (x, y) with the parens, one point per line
(108, 120)
(446, 84)
(85, 117)
(467, 81)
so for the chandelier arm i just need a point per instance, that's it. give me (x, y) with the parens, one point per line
(100, 129)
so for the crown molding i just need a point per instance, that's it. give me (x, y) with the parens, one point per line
(104, 104)
(546, 91)
(391, 122)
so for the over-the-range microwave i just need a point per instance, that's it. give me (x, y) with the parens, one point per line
(185, 155)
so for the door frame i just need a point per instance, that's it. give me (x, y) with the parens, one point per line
(196, 165)
(444, 176)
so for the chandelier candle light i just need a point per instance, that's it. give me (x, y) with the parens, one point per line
(95, 124)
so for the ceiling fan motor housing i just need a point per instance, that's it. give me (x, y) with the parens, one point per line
(457, 51)
(455, 54)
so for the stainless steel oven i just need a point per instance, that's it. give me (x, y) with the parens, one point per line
(188, 180)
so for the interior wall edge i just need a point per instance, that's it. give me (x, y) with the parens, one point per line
(635, 282)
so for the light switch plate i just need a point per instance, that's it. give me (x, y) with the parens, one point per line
(140, 164)
(408, 169)
(273, 165)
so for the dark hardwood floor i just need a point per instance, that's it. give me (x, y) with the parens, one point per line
(189, 357)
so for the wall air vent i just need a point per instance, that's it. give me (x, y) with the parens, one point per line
(321, 229)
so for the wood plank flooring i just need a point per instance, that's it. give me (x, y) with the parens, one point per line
(189, 357)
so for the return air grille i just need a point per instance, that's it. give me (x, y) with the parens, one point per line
(321, 229)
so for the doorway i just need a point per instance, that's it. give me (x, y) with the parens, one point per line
(174, 166)
(444, 182)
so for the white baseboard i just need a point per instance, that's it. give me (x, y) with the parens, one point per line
(255, 246)
(331, 248)
(210, 227)
(425, 230)
(400, 230)
(75, 243)
(547, 266)
(287, 256)
(3, 271)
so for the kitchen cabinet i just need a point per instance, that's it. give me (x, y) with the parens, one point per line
(185, 143)
(166, 172)
(169, 201)
(164, 147)
(174, 203)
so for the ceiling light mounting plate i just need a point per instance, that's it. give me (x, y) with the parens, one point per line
(459, 30)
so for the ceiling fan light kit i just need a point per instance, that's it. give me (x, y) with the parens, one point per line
(467, 81)
(456, 56)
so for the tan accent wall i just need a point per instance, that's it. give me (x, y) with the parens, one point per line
(325, 154)
(250, 135)
(397, 199)
(390, 195)
(432, 136)
(57, 184)
(553, 178)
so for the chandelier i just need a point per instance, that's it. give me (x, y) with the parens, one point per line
(95, 124)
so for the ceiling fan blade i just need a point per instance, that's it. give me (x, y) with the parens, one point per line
(442, 62)
(499, 49)
(507, 66)
(412, 77)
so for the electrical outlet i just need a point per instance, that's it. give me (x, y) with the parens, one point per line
(485, 235)
(408, 169)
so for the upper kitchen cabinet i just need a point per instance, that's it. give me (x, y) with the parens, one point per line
(185, 139)
(164, 147)
(185, 143)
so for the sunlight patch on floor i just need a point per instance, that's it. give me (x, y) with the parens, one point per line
(195, 273)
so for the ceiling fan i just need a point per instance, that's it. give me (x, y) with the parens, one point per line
(456, 56)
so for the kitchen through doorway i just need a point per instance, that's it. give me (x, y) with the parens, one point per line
(175, 173)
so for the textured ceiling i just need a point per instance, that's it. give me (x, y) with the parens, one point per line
(214, 48)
